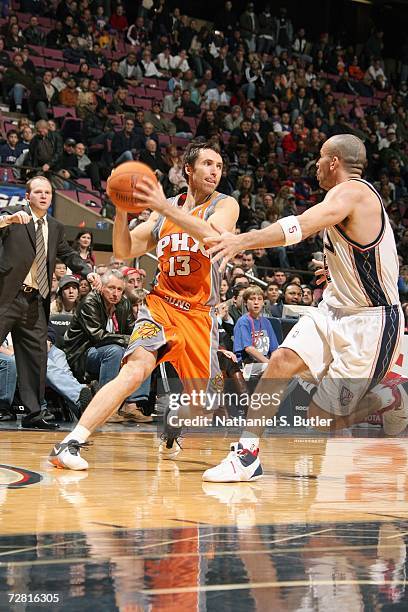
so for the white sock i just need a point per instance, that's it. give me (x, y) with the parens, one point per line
(80, 433)
(249, 441)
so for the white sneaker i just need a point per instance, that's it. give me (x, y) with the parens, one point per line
(395, 418)
(240, 465)
(67, 456)
(169, 447)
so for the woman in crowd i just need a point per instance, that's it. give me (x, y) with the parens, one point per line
(83, 244)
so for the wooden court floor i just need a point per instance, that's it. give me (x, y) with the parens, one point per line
(326, 526)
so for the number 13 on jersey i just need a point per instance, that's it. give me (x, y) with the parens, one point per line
(179, 266)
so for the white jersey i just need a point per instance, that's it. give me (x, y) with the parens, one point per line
(361, 275)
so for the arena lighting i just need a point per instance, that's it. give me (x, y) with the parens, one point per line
(362, 1)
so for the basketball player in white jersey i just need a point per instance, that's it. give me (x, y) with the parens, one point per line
(349, 343)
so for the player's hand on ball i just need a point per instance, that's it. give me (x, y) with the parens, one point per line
(224, 246)
(151, 194)
(320, 272)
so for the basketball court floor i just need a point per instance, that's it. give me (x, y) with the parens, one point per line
(325, 527)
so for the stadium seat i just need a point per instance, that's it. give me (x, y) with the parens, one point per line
(85, 182)
(148, 82)
(70, 193)
(39, 62)
(179, 142)
(85, 198)
(72, 68)
(53, 53)
(143, 103)
(37, 49)
(97, 73)
(162, 85)
(53, 63)
(154, 94)
(64, 111)
(164, 140)
(138, 92)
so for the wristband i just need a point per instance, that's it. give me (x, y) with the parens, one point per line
(291, 229)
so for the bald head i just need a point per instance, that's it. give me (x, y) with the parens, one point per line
(350, 150)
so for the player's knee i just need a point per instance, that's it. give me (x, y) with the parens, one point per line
(284, 363)
(133, 374)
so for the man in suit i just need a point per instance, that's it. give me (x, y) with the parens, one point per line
(30, 242)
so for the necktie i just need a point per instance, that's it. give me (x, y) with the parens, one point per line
(41, 261)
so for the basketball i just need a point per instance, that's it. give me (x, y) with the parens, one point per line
(122, 183)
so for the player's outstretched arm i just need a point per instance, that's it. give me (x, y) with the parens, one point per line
(225, 215)
(336, 206)
(127, 244)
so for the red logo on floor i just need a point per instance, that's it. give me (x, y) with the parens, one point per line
(12, 477)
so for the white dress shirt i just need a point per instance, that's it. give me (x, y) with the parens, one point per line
(31, 278)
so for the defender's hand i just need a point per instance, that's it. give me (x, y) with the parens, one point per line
(224, 246)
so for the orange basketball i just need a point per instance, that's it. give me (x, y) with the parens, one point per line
(123, 181)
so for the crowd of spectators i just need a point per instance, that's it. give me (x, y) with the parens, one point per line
(256, 84)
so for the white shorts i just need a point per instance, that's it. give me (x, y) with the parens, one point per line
(347, 351)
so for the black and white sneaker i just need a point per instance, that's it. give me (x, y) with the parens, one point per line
(67, 455)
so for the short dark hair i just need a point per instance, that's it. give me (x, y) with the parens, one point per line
(10, 132)
(237, 289)
(193, 151)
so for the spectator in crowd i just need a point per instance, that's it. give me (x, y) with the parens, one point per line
(134, 278)
(182, 127)
(87, 168)
(248, 264)
(17, 82)
(14, 40)
(67, 296)
(67, 164)
(307, 295)
(44, 151)
(291, 294)
(69, 95)
(157, 119)
(130, 70)
(83, 245)
(118, 20)
(152, 157)
(112, 79)
(272, 293)
(236, 306)
(254, 338)
(58, 377)
(125, 143)
(60, 269)
(33, 34)
(11, 150)
(172, 101)
(43, 96)
(100, 332)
